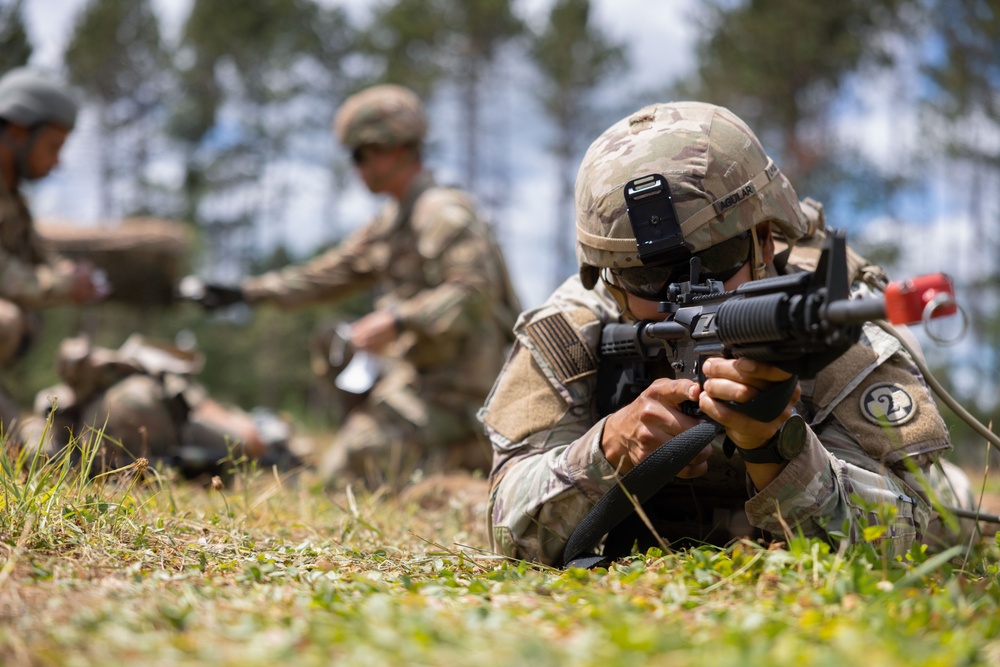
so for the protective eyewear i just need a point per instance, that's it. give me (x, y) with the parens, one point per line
(720, 262)
(361, 154)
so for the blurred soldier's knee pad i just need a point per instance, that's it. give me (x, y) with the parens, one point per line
(13, 327)
(133, 412)
(960, 485)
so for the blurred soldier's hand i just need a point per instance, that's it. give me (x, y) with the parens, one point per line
(374, 331)
(89, 283)
(211, 296)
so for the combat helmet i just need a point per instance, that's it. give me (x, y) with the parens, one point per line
(694, 175)
(385, 115)
(29, 97)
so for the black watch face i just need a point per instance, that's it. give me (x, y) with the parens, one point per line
(792, 438)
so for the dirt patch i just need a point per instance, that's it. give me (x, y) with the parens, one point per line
(448, 490)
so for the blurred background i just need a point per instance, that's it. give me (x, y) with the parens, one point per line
(216, 114)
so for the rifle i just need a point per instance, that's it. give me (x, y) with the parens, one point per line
(799, 322)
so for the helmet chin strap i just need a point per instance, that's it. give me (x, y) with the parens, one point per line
(758, 268)
(22, 153)
(617, 293)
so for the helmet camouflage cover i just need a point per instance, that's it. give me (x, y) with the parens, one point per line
(386, 115)
(722, 183)
(28, 97)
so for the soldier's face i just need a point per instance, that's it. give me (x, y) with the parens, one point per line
(646, 309)
(378, 165)
(43, 151)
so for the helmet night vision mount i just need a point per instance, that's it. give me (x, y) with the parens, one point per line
(657, 230)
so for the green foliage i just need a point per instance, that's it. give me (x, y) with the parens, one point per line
(420, 43)
(966, 72)
(417, 42)
(259, 84)
(116, 55)
(15, 49)
(779, 64)
(404, 39)
(135, 567)
(274, 50)
(574, 58)
(962, 115)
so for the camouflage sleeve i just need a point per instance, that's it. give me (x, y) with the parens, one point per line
(549, 473)
(834, 489)
(462, 274)
(35, 286)
(544, 493)
(353, 266)
(876, 436)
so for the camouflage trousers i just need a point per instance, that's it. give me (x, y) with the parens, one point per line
(13, 329)
(18, 330)
(950, 486)
(396, 434)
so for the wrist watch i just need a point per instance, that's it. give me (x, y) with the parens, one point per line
(786, 444)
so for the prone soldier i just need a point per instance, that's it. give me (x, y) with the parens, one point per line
(822, 466)
(143, 395)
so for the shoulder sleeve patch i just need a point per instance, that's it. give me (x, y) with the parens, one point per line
(560, 344)
(887, 403)
(523, 400)
(892, 415)
(843, 374)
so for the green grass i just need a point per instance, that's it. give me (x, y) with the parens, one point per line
(138, 568)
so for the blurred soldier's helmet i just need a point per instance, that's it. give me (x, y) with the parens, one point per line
(385, 115)
(29, 97)
(696, 177)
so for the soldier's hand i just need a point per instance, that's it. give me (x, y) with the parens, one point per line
(374, 331)
(738, 381)
(210, 295)
(638, 429)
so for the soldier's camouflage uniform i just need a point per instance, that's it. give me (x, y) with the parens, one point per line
(32, 277)
(549, 468)
(436, 266)
(142, 399)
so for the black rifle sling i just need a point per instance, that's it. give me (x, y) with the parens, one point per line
(656, 471)
(638, 485)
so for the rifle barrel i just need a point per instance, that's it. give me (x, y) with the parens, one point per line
(855, 311)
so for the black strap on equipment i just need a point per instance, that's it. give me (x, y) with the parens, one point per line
(637, 486)
(656, 471)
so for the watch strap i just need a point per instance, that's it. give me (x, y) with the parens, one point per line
(793, 430)
(767, 453)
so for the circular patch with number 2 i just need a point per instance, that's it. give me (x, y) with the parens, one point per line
(887, 404)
